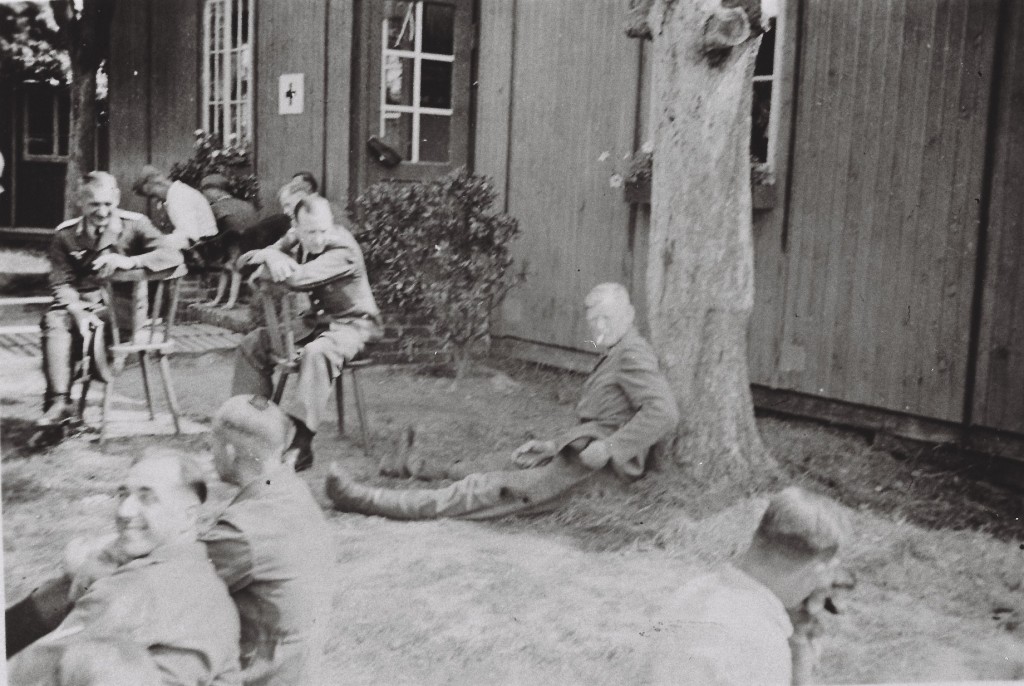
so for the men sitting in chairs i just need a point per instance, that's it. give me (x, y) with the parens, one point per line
(186, 207)
(322, 259)
(83, 252)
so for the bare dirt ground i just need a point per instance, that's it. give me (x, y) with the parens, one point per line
(572, 597)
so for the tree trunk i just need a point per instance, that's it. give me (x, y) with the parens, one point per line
(82, 134)
(700, 284)
(88, 33)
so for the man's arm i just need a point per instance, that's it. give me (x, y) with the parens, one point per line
(332, 264)
(228, 549)
(657, 412)
(158, 251)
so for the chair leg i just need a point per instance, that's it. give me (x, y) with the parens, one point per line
(279, 388)
(108, 400)
(363, 428)
(86, 382)
(339, 397)
(172, 400)
(145, 384)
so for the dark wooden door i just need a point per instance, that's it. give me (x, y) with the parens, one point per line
(414, 114)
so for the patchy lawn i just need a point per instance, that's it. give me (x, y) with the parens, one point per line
(570, 597)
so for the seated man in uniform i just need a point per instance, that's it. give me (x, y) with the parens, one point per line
(626, 407)
(83, 252)
(322, 259)
(186, 207)
(271, 546)
(160, 592)
(731, 627)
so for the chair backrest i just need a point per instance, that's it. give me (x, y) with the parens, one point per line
(151, 319)
(279, 311)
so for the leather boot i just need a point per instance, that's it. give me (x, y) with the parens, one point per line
(348, 496)
(60, 410)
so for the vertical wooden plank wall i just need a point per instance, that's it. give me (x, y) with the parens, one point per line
(494, 92)
(128, 76)
(887, 166)
(999, 397)
(770, 265)
(289, 40)
(338, 110)
(175, 80)
(575, 78)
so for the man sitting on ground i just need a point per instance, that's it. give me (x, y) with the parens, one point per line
(322, 259)
(163, 593)
(626, 407)
(83, 252)
(186, 207)
(731, 628)
(271, 546)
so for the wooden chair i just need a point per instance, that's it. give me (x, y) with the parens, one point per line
(149, 323)
(279, 311)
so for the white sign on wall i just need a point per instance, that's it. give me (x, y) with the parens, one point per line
(289, 94)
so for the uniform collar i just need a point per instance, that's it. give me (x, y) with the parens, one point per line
(109, 235)
(179, 550)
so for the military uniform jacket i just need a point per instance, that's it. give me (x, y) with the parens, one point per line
(627, 402)
(170, 602)
(272, 547)
(335, 280)
(73, 252)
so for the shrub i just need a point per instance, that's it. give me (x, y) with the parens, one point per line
(435, 250)
(211, 156)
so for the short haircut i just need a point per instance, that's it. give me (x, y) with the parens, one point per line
(294, 187)
(253, 422)
(148, 175)
(191, 474)
(611, 292)
(313, 204)
(106, 661)
(308, 179)
(95, 180)
(798, 524)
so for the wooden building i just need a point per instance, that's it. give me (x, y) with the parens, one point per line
(887, 246)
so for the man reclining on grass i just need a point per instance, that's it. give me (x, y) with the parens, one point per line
(733, 627)
(626, 407)
(271, 546)
(152, 585)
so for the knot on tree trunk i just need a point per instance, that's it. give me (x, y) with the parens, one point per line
(637, 19)
(735, 22)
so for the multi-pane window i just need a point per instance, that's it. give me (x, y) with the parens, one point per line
(227, 69)
(46, 124)
(417, 57)
(762, 138)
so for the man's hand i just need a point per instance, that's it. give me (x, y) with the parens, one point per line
(84, 320)
(277, 265)
(533, 454)
(106, 265)
(596, 455)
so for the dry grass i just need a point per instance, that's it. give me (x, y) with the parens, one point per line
(565, 597)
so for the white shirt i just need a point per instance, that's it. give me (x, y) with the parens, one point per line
(190, 213)
(723, 629)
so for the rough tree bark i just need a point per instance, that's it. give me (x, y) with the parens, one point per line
(700, 272)
(88, 36)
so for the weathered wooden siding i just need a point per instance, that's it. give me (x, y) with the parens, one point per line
(128, 79)
(175, 79)
(338, 94)
(883, 221)
(573, 112)
(290, 39)
(999, 396)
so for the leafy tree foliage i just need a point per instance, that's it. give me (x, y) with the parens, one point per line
(211, 156)
(32, 46)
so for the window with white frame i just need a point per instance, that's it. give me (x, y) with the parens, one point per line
(227, 69)
(46, 124)
(417, 57)
(766, 93)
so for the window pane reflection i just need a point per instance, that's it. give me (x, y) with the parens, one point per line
(438, 29)
(398, 132)
(401, 25)
(435, 132)
(398, 83)
(436, 84)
